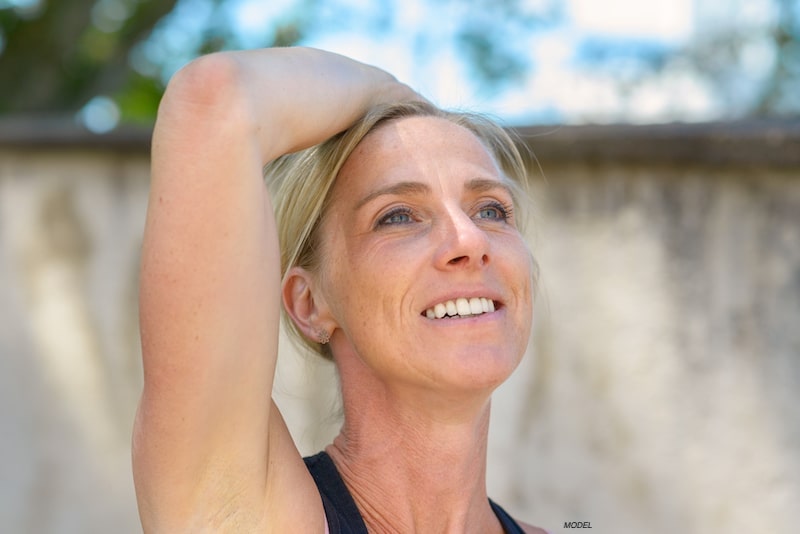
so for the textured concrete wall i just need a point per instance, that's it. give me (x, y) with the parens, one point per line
(660, 393)
(70, 232)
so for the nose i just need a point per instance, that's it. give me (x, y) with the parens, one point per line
(464, 245)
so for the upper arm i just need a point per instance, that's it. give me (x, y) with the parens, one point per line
(206, 440)
(209, 312)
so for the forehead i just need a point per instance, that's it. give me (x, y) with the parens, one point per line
(416, 148)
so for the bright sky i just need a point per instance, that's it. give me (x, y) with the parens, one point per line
(565, 82)
(665, 20)
(555, 89)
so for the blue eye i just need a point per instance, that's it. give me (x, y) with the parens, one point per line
(489, 213)
(396, 216)
(494, 211)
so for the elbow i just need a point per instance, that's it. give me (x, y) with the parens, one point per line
(209, 87)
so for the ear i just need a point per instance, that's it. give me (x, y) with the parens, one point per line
(305, 305)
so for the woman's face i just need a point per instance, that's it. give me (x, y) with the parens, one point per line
(419, 240)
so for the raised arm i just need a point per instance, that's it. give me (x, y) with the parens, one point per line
(210, 452)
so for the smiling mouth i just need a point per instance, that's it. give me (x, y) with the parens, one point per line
(461, 307)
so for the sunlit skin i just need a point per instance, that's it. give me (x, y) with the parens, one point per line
(420, 214)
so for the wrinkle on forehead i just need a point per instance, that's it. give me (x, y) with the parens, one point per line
(429, 141)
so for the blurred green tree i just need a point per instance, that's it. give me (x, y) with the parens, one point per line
(750, 63)
(780, 94)
(56, 56)
(753, 65)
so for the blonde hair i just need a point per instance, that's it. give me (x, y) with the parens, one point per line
(300, 184)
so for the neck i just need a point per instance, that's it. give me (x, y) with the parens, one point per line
(414, 463)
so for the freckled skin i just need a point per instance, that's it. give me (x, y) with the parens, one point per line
(378, 279)
(210, 451)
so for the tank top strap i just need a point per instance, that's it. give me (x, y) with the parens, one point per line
(340, 509)
(509, 525)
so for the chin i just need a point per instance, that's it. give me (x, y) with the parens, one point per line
(482, 369)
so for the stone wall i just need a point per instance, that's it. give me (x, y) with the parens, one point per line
(661, 393)
(70, 231)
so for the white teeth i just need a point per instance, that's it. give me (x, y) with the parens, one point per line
(475, 306)
(460, 307)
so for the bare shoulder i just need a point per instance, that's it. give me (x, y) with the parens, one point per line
(530, 529)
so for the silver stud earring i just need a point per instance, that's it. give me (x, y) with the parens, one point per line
(323, 337)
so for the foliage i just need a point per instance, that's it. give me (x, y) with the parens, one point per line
(57, 55)
(61, 54)
(752, 67)
(780, 95)
(769, 52)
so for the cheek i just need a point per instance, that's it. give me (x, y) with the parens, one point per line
(521, 268)
(360, 282)
(516, 258)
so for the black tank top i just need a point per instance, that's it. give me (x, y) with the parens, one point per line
(341, 510)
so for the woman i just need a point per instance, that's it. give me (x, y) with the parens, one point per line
(400, 259)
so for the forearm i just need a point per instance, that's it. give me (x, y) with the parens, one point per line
(210, 248)
(285, 98)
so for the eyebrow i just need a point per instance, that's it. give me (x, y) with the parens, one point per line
(482, 185)
(476, 185)
(400, 188)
